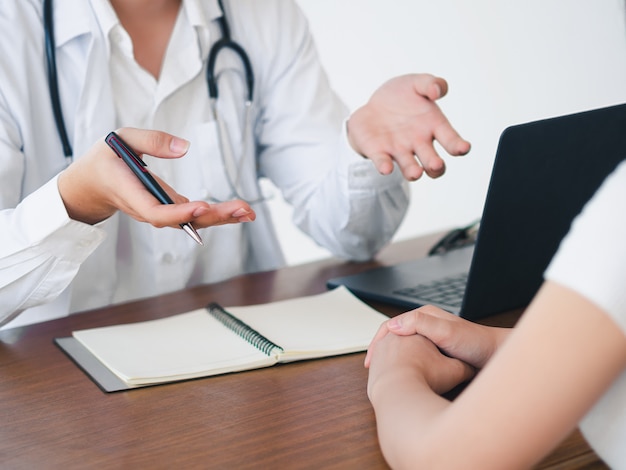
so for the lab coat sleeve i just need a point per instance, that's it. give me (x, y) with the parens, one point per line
(41, 250)
(338, 197)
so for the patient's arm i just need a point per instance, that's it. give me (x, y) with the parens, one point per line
(559, 360)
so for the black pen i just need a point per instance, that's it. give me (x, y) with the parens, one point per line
(139, 167)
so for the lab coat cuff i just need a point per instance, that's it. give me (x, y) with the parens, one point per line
(47, 224)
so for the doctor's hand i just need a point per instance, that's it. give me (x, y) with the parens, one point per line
(456, 337)
(400, 123)
(99, 184)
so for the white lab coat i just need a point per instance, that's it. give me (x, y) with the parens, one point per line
(51, 266)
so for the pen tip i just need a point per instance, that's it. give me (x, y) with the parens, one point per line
(191, 231)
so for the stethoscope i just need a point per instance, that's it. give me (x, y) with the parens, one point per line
(226, 151)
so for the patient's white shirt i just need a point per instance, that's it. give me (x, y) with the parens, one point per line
(592, 261)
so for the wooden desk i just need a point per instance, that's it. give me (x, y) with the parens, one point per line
(311, 414)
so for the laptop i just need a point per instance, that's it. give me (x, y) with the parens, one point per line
(543, 174)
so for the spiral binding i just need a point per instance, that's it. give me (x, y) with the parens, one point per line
(252, 336)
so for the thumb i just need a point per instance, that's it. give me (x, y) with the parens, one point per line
(155, 143)
(463, 371)
(420, 322)
(430, 86)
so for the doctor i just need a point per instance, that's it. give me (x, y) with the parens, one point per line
(64, 244)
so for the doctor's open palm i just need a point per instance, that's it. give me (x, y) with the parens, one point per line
(400, 123)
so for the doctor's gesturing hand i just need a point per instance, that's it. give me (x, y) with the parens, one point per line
(99, 184)
(400, 123)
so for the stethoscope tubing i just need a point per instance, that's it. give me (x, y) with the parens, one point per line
(211, 78)
(53, 83)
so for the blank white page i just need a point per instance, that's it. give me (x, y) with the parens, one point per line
(334, 322)
(192, 344)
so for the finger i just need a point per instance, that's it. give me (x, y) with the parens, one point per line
(451, 141)
(419, 321)
(368, 358)
(432, 163)
(439, 313)
(437, 329)
(383, 330)
(409, 165)
(157, 214)
(382, 161)
(461, 371)
(402, 324)
(229, 212)
(199, 213)
(430, 86)
(155, 143)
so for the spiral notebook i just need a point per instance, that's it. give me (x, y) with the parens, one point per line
(216, 340)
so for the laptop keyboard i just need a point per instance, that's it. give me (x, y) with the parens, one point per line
(446, 291)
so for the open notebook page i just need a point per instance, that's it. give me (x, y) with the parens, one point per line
(183, 346)
(335, 322)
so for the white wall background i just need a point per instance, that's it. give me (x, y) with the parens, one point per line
(506, 62)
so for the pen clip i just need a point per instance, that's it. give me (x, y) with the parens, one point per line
(115, 142)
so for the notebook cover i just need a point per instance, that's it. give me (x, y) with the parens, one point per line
(98, 372)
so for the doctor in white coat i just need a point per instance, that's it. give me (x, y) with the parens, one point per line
(73, 238)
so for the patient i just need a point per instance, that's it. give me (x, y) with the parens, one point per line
(562, 366)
